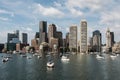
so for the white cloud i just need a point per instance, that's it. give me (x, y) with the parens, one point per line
(3, 35)
(76, 12)
(110, 17)
(89, 7)
(57, 4)
(4, 19)
(76, 7)
(2, 11)
(47, 11)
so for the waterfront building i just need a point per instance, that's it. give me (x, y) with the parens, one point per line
(73, 38)
(10, 46)
(42, 32)
(90, 44)
(17, 33)
(54, 35)
(109, 40)
(24, 38)
(13, 37)
(51, 32)
(37, 35)
(97, 42)
(15, 40)
(112, 38)
(67, 40)
(1, 47)
(10, 37)
(21, 46)
(60, 40)
(53, 44)
(83, 37)
(116, 48)
(35, 43)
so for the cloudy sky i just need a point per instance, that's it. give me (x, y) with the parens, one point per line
(24, 15)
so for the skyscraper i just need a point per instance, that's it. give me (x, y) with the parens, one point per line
(24, 38)
(83, 37)
(51, 31)
(73, 38)
(97, 41)
(37, 35)
(17, 33)
(60, 39)
(109, 38)
(10, 37)
(43, 31)
(67, 40)
(13, 37)
(90, 44)
(112, 38)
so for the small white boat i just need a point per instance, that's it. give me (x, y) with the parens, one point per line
(14, 52)
(65, 58)
(82, 53)
(50, 64)
(29, 57)
(113, 56)
(23, 55)
(39, 57)
(5, 59)
(99, 57)
(36, 54)
(117, 54)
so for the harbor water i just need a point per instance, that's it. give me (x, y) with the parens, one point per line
(80, 67)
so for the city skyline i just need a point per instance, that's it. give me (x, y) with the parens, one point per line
(63, 14)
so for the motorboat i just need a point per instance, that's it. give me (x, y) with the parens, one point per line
(50, 64)
(82, 53)
(113, 56)
(36, 54)
(5, 59)
(39, 56)
(117, 54)
(23, 55)
(29, 57)
(99, 57)
(65, 58)
(14, 52)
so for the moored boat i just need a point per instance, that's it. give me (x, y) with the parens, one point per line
(99, 57)
(65, 58)
(5, 59)
(50, 64)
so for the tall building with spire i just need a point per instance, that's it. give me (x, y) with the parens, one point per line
(83, 37)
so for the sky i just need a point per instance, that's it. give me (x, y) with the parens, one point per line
(24, 15)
